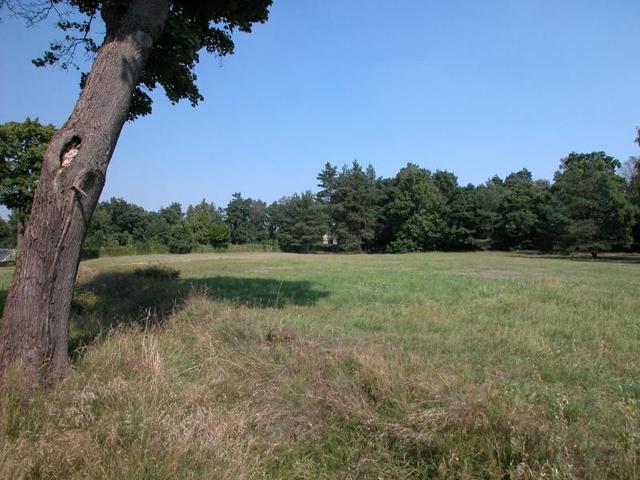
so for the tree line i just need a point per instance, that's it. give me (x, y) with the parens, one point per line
(592, 205)
(589, 207)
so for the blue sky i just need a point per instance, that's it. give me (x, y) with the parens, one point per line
(475, 87)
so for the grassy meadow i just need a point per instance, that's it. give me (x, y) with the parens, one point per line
(272, 365)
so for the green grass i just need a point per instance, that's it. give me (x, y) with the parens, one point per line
(439, 365)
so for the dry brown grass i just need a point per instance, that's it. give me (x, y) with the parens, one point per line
(222, 391)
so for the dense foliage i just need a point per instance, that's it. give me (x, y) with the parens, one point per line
(22, 146)
(117, 223)
(300, 223)
(247, 219)
(7, 234)
(632, 174)
(597, 213)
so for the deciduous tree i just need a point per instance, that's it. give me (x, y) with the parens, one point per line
(180, 238)
(146, 43)
(519, 212)
(206, 225)
(7, 234)
(22, 146)
(598, 214)
(247, 219)
(412, 211)
(631, 172)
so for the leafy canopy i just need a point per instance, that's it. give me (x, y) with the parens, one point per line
(206, 224)
(22, 147)
(598, 213)
(7, 234)
(412, 210)
(192, 26)
(247, 219)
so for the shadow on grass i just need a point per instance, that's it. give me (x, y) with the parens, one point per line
(110, 299)
(602, 258)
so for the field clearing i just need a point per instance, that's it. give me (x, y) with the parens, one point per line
(436, 365)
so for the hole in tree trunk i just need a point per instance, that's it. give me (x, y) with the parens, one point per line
(70, 151)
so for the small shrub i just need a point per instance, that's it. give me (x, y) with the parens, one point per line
(159, 272)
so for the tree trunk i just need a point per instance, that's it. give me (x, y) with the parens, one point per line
(35, 323)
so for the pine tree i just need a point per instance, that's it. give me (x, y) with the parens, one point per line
(355, 207)
(303, 223)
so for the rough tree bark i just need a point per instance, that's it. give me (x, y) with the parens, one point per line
(35, 323)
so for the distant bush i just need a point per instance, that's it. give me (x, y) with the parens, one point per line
(231, 248)
(177, 247)
(158, 271)
(180, 239)
(89, 253)
(142, 248)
